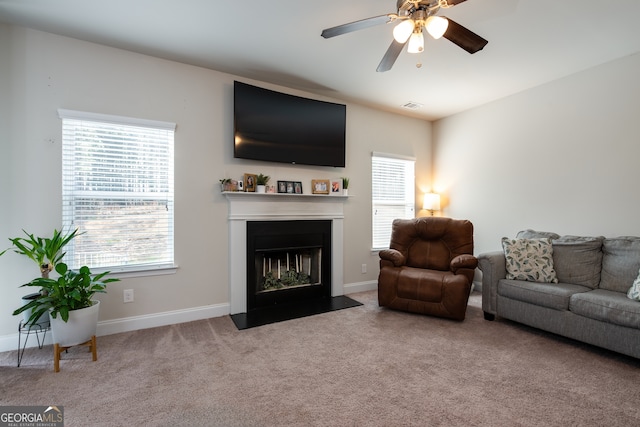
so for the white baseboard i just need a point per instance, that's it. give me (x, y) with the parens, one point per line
(135, 323)
(127, 324)
(352, 288)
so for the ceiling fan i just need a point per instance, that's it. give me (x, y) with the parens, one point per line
(414, 16)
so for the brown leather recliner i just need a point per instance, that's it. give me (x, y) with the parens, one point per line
(429, 267)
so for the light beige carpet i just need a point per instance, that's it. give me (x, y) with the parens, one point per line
(362, 366)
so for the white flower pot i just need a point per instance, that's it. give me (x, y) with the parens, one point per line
(80, 327)
(261, 188)
(345, 192)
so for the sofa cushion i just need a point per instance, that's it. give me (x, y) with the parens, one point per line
(578, 260)
(529, 259)
(533, 234)
(607, 306)
(620, 263)
(549, 295)
(634, 290)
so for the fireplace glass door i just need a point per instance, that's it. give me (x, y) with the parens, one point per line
(287, 261)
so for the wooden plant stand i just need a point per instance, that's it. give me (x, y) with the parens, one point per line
(57, 349)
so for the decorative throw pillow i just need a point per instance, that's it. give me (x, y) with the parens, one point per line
(578, 260)
(634, 290)
(529, 259)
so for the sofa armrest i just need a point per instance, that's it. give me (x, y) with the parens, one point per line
(393, 256)
(493, 267)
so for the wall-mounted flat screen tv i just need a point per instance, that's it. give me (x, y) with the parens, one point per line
(279, 127)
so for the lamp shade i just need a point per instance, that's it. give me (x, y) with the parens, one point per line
(431, 202)
(416, 42)
(436, 26)
(403, 30)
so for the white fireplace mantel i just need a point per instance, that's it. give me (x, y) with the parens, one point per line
(245, 207)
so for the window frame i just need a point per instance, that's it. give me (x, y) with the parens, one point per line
(408, 202)
(68, 215)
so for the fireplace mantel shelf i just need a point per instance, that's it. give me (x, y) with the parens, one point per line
(240, 194)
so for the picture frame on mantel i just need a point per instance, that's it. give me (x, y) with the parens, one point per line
(320, 186)
(250, 182)
(336, 187)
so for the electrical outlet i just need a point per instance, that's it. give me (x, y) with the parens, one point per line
(364, 268)
(128, 295)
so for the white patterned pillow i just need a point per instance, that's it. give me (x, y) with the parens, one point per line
(529, 259)
(634, 290)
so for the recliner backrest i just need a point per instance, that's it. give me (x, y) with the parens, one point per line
(431, 242)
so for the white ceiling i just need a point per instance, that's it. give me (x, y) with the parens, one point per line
(278, 41)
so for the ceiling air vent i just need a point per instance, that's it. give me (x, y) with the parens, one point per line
(412, 105)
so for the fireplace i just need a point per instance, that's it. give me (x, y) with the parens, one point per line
(288, 262)
(323, 263)
(249, 207)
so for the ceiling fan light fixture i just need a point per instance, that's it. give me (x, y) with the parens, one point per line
(403, 30)
(436, 26)
(416, 42)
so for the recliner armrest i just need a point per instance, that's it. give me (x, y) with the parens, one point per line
(393, 256)
(463, 261)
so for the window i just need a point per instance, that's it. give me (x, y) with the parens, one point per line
(117, 189)
(393, 194)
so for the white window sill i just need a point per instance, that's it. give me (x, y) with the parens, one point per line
(137, 271)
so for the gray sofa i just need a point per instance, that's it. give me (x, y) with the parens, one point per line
(588, 303)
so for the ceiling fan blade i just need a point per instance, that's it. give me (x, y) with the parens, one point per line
(355, 26)
(463, 37)
(454, 2)
(390, 56)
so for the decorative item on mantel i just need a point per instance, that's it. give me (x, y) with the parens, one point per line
(320, 186)
(261, 183)
(345, 186)
(250, 182)
(336, 187)
(228, 184)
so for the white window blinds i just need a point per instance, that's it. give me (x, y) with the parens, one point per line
(117, 189)
(393, 194)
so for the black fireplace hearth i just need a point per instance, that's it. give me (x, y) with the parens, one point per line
(267, 315)
(288, 272)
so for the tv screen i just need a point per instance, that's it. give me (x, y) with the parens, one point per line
(278, 127)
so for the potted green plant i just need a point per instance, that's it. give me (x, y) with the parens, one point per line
(69, 302)
(345, 185)
(261, 183)
(46, 253)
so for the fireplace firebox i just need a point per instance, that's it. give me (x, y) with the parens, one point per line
(288, 262)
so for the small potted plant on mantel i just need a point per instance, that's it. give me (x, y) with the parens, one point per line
(261, 183)
(345, 186)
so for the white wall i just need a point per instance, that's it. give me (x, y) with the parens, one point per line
(561, 157)
(43, 72)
